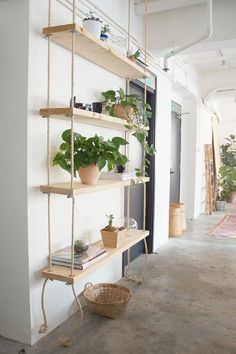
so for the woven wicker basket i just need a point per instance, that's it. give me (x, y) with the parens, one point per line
(106, 299)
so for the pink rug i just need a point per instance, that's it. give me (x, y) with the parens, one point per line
(226, 227)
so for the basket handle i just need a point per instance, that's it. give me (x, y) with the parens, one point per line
(87, 285)
(127, 299)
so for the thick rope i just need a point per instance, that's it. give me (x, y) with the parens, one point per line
(132, 277)
(44, 327)
(129, 27)
(66, 342)
(72, 143)
(48, 138)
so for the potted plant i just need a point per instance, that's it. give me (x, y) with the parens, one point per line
(81, 246)
(228, 170)
(135, 57)
(91, 155)
(112, 235)
(104, 32)
(118, 104)
(92, 24)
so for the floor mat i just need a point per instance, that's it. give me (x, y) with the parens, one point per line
(226, 227)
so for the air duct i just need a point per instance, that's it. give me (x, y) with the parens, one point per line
(206, 35)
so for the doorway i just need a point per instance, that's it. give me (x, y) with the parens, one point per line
(136, 193)
(175, 155)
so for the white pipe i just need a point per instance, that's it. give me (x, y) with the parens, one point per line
(206, 35)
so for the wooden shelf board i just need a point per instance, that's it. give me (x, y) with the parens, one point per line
(95, 50)
(79, 188)
(86, 117)
(63, 273)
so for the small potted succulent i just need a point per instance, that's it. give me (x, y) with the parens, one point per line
(91, 155)
(104, 32)
(92, 24)
(112, 235)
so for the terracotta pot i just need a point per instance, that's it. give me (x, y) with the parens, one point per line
(233, 197)
(89, 174)
(112, 239)
(123, 113)
(132, 59)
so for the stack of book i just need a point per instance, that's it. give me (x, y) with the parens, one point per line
(125, 176)
(81, 260)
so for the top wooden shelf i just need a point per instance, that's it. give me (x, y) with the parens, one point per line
(95, 50)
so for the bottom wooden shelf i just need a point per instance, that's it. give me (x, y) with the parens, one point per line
(63, 273)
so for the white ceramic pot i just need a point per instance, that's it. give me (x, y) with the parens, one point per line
(93, 27)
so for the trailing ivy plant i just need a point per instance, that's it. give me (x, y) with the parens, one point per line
(87, 151)
(138, 123)
(113, 98)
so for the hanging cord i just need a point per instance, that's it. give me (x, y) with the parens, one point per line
(66, 342)
(48, 138)
(72, 142)
(129, 27)
(44, 327)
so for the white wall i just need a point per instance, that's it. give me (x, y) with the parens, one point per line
(226, 109)
(162, 177)
(14, 271)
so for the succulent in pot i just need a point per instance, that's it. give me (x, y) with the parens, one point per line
(92, 24)
(91, 155)
(112, 235)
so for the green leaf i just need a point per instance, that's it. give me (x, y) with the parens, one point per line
(101, 163)
(109, 95)
(140, 136)
(119, 141)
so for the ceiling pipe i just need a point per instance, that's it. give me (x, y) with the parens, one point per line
(206, 35)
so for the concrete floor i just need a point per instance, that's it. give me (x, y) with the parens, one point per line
(186, 306)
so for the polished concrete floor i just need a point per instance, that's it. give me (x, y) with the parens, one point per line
(187, 304)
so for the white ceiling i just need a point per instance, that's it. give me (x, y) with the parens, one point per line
(221, 59)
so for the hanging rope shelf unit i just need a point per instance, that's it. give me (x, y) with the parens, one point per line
(80, 42)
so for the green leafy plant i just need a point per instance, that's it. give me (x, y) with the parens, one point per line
(228, 152)
(87, 151)
(91, 16)
(138, 123)
(105, 29)
(136, 56)
(227, 172)
(114, 98)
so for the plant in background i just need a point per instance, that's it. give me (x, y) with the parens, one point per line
(228, 152)
(89, 151)
(228, 170)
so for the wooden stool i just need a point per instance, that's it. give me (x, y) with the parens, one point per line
(183, 214)
(175, 221)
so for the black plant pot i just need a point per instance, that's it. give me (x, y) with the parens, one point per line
(97, 107)
(120, 168)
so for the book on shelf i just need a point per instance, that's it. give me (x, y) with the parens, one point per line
(64, 255)
(80, 266)
(125, 176)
